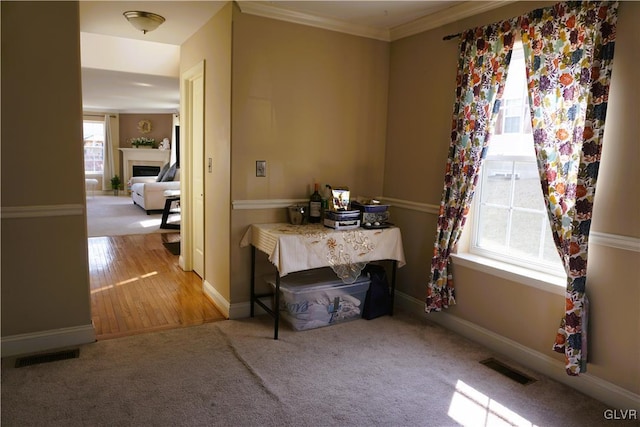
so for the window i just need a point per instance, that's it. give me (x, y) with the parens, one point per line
(511, 222)
(93, 146)
(513, 116)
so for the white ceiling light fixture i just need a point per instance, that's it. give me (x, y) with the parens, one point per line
(143, 21)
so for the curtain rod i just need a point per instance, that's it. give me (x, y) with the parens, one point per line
(451, 36)
(98, 115)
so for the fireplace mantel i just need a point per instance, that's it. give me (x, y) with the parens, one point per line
(142, 157)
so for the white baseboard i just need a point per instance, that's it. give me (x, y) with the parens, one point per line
(231, 311)
(220, 302)
(602, 390)
(15, 345)
(240, 311)
(243, 310)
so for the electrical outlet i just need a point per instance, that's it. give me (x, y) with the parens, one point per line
(261, 168)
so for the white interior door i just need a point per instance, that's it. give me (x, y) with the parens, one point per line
(192, 253)
(198, 174)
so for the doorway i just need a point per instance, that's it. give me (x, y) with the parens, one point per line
(137, 287)
(192, 186)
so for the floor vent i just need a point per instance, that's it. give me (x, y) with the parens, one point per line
(47, 357)
(507, 371)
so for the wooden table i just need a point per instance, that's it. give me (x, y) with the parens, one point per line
(292, 248)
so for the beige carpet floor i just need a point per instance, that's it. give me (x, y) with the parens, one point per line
(109, 215)
(391, 371)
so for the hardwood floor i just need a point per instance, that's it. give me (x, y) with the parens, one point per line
(137, 286)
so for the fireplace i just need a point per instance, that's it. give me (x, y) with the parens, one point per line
(144, 170)
(132, 157)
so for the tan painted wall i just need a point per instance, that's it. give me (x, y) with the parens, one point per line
(306, 103)
(421, 95)
(310, 102)
(161, 127)
(45, 278)
(212, 43)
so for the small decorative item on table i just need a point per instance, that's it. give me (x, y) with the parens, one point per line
(342, 220)
(297, 214)
(339, 216)
(373, 213)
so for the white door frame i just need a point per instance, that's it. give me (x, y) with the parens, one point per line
(186, 164)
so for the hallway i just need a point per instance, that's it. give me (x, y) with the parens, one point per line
(137, 287)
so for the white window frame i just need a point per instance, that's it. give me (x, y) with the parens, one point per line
(530, 263)
(94, 173)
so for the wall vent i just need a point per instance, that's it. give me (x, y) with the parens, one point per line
(507, 371)
(47, 357)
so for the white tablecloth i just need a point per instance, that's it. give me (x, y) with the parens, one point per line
(302, 247)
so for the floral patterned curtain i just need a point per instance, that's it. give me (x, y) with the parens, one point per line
(568, 53)
(485, 54)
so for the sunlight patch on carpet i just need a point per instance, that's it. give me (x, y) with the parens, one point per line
(150, 223)
(469, 407)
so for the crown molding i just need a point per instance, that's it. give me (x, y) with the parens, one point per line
(267, 10)
(446, 16)
(437, 19)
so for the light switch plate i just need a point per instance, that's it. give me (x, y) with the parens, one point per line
(261, 168)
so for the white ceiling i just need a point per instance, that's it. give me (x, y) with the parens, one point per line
(183, 18)
(116, 91)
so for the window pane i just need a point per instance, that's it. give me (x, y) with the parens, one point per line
(512, 125)
(528, 192)
(493, 228)
(525, 234)
(93, 146)
(93, 158)
(496, 188)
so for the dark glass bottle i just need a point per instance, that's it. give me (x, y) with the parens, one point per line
(315, 205)
(325, 204)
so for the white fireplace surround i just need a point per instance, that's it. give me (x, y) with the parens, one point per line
(141, 157)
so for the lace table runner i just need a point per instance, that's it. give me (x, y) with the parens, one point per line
(302, 247)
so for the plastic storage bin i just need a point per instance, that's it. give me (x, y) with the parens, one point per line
(316, 298)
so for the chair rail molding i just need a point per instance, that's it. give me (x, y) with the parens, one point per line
(596, 237)
(266, 203)
(39, 211)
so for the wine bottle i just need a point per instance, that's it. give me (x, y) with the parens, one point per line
(315, 205)
(325, 205)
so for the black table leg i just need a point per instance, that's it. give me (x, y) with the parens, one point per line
(253, 277)
(255, 298)
(393, 285)
(165, 214)
(276, 309)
